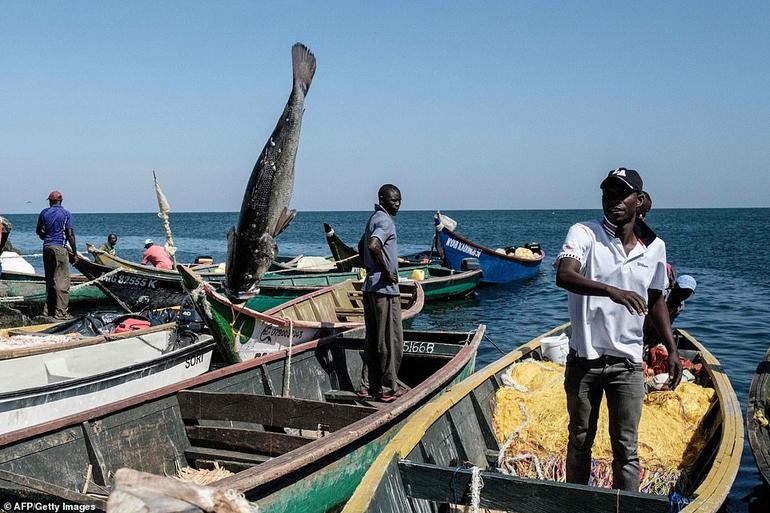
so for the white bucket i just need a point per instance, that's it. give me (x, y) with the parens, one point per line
(555, 349)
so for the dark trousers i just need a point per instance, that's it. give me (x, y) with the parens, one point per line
(57, 280)
(585, 382)
(384, 343)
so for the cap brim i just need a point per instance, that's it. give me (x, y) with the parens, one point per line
(619, 179)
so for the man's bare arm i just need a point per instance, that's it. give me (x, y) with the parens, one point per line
(662, 322)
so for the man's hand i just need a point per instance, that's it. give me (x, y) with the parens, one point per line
(635, 303)
(674, 370)
(73, 257)
(393, 277)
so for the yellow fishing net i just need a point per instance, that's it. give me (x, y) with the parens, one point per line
(530, 422)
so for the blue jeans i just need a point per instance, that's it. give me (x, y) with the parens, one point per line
(585, 381)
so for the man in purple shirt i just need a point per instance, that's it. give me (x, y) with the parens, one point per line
(55, 227)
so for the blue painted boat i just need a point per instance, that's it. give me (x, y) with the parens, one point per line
(496, 267)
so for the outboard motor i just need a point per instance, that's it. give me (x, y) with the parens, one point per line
(469, 264)
(534, 247)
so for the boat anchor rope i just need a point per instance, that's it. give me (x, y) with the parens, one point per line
(96, 280)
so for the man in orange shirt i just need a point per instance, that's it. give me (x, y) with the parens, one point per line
(156, 255)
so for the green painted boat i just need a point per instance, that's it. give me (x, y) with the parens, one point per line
(29, 290)
(292, 429)
(440, 282)
(242, 332)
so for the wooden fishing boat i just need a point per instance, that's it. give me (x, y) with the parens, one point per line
(292, 428)
(242, 332)
(139, 287)
(757, 416)
(85, 330)
(135, 287)
(49, 385)
(422, 468)
(347, 259)
(29, 289)
(496, 266)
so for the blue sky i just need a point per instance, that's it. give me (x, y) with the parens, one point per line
(463, 105)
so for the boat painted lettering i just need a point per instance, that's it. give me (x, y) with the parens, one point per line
(461, 246)
(191, 361)
(419, 347)
(268, 332)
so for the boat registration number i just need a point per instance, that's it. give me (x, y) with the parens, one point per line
(419, 347)
(192, 361)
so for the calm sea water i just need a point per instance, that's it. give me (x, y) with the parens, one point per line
(724, 249)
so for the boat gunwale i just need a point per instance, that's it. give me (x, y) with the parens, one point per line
(270, 316)
(707, 497)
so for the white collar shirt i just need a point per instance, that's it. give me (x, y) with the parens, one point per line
(599, 325)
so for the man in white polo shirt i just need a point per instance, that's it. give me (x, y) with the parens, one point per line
(614, 271)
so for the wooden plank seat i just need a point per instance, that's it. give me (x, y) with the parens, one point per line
(509, 493)
(245, 440)
(222, 455)
(284, 412)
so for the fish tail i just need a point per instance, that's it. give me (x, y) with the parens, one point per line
(303, 65)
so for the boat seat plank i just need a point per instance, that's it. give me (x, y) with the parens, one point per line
(244, 440)
(223, 455)
(509, 493)
(269, 410)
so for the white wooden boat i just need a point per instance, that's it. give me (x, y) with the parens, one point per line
(42, 387)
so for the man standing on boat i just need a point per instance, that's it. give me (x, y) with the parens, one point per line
(614, 275)
(55, 226)
(384, 342)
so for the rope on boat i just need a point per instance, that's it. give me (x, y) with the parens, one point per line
(476, 485)
(502, 464)
(287, 374)
(493, 344)
(96, 280)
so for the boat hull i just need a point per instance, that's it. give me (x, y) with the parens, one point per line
(757, 415)
(47, 386)
(496, 268)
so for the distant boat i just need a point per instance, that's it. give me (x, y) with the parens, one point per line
(438, 282)
(497, 266)
(27, 291)
(758, 417)
(347, 258)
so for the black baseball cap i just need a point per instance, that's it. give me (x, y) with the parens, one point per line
(628, 177)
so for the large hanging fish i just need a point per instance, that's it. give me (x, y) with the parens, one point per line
(264, 211)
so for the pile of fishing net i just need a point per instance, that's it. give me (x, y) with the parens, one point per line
(530, 422)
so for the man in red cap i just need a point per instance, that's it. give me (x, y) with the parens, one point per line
(55, 227)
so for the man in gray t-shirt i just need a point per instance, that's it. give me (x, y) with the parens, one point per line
(382, 304)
